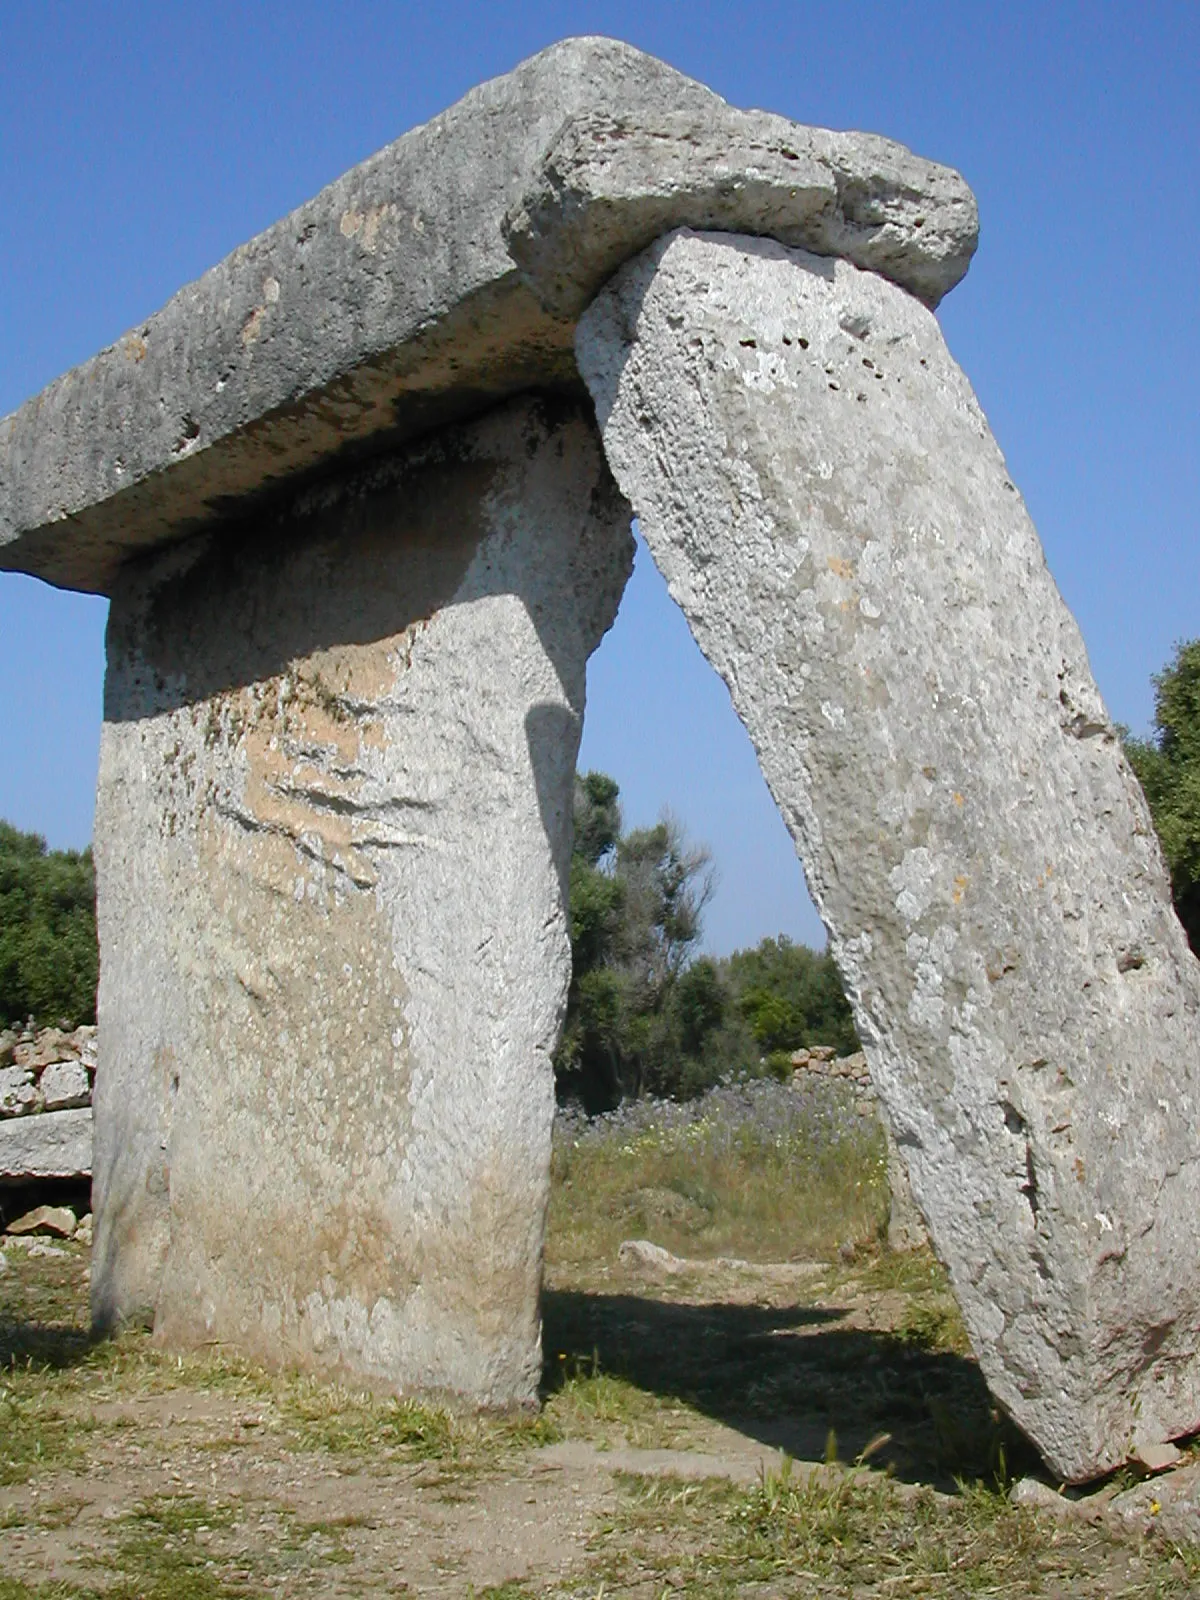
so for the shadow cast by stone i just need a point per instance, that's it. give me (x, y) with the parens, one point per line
(243, 604)
(791, 1377)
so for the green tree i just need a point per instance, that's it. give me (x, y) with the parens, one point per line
(791, 996)
(48, 955)
(1168, 768)
(644, 1014)
(636, 905)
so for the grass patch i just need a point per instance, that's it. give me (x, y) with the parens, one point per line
(184, 1545)
(787, 1181)
(340, 1422)
(16, 1589)
(829, 1531)
(363, 1426)
(585, 1402)
(34, 1433)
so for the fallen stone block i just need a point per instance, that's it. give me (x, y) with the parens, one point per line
(52, 1144)
(819, 487)
(643, 1253)
(1168, 1506)
(57, 1222)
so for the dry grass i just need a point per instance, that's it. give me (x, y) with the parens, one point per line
(763, 1194)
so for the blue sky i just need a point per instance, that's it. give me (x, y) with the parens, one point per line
(140, 143)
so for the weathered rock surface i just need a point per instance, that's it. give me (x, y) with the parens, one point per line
(819, 486)
(64, 1084)
(55, 1222)
(56, 1144)
(608, 186)
(332, 846)
(391, 301)
(18, 1092)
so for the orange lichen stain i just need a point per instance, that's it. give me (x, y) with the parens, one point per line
(304, 734)
(958, 799)
(364, 225)
(840, 567)
(252, 326)
(960, 888)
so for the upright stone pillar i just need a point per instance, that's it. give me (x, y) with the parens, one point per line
(820, 489)
(332, 844)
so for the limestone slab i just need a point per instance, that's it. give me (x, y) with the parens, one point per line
(64, 1084)
(430, 282)
(332, 846)
(51, 1144)
(18, 1092)
(820, 488)
(57, 1222)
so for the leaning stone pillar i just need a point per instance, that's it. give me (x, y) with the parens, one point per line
(332, 841)
(819, 486)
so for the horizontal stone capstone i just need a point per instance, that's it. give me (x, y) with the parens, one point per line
(440, 276)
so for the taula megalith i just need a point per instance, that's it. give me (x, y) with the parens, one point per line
(361, 498)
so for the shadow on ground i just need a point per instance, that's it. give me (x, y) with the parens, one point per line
(43, 1313)
(791, 1377)
(788, 1376)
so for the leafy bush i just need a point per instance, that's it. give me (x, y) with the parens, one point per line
(791, 996)
(1168, 767)
(48, 955)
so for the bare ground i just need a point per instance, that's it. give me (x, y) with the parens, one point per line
(655, 1467)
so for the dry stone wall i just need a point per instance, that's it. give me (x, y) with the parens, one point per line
(46, 1080)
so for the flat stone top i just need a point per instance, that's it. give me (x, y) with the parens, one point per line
(439, 276)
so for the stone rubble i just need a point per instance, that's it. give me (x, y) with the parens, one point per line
(46, 1077)
(46, 1069)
